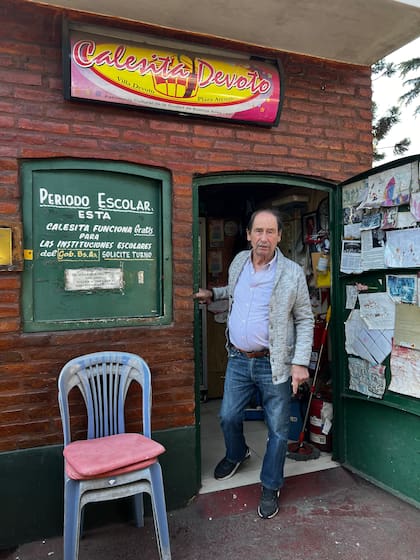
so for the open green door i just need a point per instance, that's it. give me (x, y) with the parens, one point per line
(376, 327)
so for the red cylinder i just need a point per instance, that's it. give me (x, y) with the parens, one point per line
(317, 425)
(318, 333)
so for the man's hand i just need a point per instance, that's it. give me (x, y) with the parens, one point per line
(203, 295)
(300, 374)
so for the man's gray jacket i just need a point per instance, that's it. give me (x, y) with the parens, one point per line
(290, 317)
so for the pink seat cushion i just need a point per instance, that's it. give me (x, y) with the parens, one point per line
(110, 455)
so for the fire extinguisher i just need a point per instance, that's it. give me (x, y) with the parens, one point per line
(320, 423)
(300, 451)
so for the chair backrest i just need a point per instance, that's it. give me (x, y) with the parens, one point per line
(103, 379)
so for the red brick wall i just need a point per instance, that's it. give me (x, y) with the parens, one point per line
(324, 131)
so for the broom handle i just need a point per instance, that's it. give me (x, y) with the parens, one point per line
(323, 341)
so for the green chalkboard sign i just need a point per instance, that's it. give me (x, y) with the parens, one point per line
(97, 245)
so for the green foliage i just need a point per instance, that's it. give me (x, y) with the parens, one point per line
(383, 68)
(382, 125)
(380, 128)
(402, 146)
(413, 83)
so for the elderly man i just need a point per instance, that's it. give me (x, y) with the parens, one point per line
(269, 341)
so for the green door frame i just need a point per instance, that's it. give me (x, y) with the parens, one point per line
(231, 178)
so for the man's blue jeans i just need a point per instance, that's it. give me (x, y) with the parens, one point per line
(243, 376)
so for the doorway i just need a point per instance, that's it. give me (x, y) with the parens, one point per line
(223, 204)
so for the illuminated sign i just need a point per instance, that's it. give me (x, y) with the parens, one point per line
(102, 68)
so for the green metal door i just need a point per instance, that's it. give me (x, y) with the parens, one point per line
(377, 436)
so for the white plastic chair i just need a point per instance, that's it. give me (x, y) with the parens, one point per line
(110, 463)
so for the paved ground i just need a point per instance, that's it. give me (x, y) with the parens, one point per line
(328, 515)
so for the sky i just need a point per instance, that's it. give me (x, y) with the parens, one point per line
(386, 92)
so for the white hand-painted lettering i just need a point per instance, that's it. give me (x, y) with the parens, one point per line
(94, 236)
(93, 239)
(85, 244)
(123, 204)
(146, 230)
(92, 214)
(112, 229)
(64, 200)
(51, 226)
(137, 246)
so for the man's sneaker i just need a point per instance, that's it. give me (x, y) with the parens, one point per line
(225, 469)
(269, 505)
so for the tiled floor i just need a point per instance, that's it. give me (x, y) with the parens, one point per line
(213, 449)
